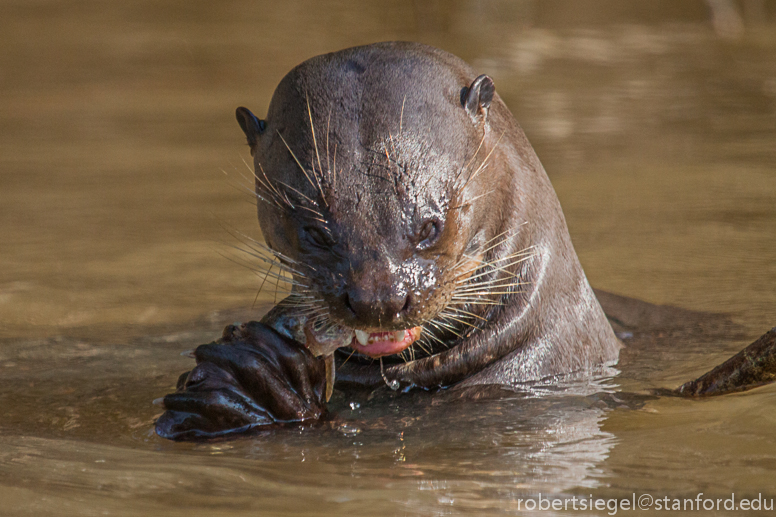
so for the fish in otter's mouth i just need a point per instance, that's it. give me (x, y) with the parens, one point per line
(324, 340)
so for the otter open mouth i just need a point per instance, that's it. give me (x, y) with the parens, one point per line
(379, 344)
(323, 340)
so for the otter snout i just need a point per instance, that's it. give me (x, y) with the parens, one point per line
(377, 308)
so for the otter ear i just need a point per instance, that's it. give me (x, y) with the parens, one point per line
(476, 98)
(251, 126)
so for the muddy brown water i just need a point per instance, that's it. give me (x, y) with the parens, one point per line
(120, 173)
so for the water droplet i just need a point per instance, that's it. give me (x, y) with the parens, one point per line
(349, 430)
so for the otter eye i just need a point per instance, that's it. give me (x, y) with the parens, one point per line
(429, 233)
(317, 237)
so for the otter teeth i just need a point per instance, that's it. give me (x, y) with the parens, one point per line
(365, 338)
(362, 337)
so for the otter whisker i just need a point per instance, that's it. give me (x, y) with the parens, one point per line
(466, 167)
(248, 182)
(401, 115)
(445, 316)
(489, 272)
(249, 190)
(267, 273)
(486, 278)
(465, 313)
(315, 144)
(310, 313)
(489, 293)
(484, 163)
(284, 274)
(353, 351)
(304, 171)
(488, 287)
(261, 286)
(295, 299)
(327, 321)
(297, 307)
(268, 254)
(268, 183)
(265, 185)
(390, 137)
(260, 187)
(473, 301)
(506, 234)
(253, 173)
(482, 278)
(334, 168)
(503, 236)
(300, 311)
(404, 353)
(440, 322)
(421, 344)
(267, 259)
(462, 287)
(263, 269)
(491, 266)
(298, 299)
(469, 201)
(298, 293)
(263, 254)
(444, 324)
(328, 131)
(253, 194)
(430, 333)
(425, 185)
(259, 246)
(322, 320)
(312, 201)
(467, 277)
(263, 282)
(526, 253)
(319, 218)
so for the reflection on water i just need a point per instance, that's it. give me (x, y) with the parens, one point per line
(118, 157)
(414, 454)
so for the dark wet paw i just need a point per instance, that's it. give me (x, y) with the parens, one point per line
(253, 377)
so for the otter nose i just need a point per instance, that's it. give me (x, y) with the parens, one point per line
(376, 309)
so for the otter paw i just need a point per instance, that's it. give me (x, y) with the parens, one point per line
(254, 377)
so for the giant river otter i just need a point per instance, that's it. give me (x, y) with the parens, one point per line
(422, 240)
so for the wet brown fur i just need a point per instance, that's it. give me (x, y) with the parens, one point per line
(367, 142)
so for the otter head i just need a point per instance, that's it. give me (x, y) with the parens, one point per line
(371, 162)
